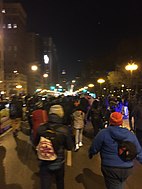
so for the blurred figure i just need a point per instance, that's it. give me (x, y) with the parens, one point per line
(119, 105)
(39, 116)
(137, 120)
(78, 117)
(131, 104)
(16, 114)
(96, 116)
(125, 106)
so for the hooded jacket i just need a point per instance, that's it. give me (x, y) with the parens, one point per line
(105, 143)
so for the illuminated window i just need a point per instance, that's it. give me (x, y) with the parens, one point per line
(3, 11)
(63, 72)
(9, 26)
(14, 25)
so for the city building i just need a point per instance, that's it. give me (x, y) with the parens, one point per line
(13, 47)
(51, 66)
(34, 59)
(20, 50)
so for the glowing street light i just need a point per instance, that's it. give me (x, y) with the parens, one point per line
(34, 68)
(18, 86)
(131, 66)
(91, 85)
(45, 75)
(100, 81)
(73, 81)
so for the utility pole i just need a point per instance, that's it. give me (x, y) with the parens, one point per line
(1, 48)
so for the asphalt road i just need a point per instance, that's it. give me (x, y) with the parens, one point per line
(19, 166)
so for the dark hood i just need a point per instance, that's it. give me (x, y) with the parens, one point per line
(53, 118)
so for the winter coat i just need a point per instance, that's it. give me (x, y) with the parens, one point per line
(106, 144)
(64, 138)
(39, 117)
(16, 109)
(78, 119)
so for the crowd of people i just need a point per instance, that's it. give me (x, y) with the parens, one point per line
(68, 116)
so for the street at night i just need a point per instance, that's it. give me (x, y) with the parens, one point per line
(70, 78)
(19, 166)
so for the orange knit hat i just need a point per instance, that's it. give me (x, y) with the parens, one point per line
(116, 119)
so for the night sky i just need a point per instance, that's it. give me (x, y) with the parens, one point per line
(84, 28)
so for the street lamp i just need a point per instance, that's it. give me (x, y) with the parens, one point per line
(100, 81)
(45, 75)
(131, 67)
(91, 85)
(34, 67)
(34, 78)
(72, 86)
(19, 87)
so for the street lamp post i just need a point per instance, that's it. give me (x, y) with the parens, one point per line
(91, 86)
(45, 76)
(19, 87)
(100, 81)
(33, 78)
(34, 67)
(131, 67)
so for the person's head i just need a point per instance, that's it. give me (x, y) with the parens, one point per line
(39, 105)
(57, 109)
(116, 119)
(76, 102)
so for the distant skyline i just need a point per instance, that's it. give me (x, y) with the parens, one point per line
(84, 28)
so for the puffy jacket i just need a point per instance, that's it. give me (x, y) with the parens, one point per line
(106, 144)
(78, 119)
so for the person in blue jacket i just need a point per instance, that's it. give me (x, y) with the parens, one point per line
(114, 169)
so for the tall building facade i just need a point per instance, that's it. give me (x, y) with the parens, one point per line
(19, 50)
(52, 67)
(13, 28)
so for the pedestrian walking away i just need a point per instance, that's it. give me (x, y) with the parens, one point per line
(114, 168)
(54, 168)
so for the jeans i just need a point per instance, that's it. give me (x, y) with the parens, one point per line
(47, 176)
(78, 135)
(115, 177)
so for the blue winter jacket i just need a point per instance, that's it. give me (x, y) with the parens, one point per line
(105, 143)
